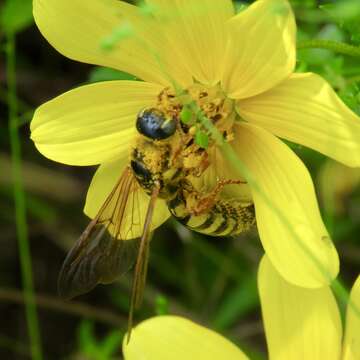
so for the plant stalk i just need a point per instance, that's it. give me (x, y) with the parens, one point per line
(337, 46)
(20, 205)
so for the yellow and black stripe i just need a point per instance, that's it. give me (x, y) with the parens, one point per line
(225, 218)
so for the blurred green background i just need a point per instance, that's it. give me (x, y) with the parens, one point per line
(210, 280)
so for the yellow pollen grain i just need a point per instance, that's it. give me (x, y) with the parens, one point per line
(214, 105)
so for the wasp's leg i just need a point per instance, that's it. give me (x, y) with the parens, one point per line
(198, 203)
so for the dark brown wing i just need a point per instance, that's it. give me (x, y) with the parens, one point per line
(101, 254)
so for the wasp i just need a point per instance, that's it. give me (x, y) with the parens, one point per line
(158, 165)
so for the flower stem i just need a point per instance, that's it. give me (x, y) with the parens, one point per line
(336, 46)
(20, 207)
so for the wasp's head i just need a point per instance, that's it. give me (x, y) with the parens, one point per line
(154, 124)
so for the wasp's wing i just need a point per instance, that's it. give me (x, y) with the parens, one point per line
(142, 260)
(102, 254)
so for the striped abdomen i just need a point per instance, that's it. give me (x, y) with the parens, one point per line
(226, 217)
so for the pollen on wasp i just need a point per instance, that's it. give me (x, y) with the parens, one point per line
(210, 100)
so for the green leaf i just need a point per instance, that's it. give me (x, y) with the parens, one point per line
(86, 338)
(353, 28)
(239, 302)
(111, 344)
(303, 3)
(202, 139)
(94, 349)
(342, 10)
(351, 96)
(16, 15)
(100, 73)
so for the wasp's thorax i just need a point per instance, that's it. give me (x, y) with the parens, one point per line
(154, 158)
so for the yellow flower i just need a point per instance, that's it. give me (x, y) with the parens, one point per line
(305, 323)
(175, 338)
(300, 324)
(247, 59)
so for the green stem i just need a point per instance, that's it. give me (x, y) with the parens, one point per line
(336, 46)
(20, 207)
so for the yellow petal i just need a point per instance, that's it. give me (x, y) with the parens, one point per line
(300, 324)
(296, 241)
(93, 123)
(176, 338)
(306, 110)
(351, 347)
(78, 28)
(261, 48)
(101, 186)
(197, 28)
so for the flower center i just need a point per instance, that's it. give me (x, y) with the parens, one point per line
(197, 144)
(209, 100)
(176, 129)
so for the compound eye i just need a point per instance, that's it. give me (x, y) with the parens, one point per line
(153, 124)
